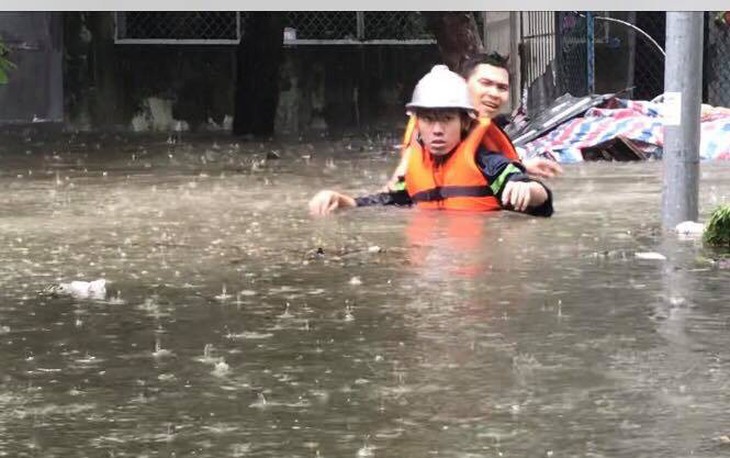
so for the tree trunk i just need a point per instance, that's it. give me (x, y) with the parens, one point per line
(457, 36)
(257, 79)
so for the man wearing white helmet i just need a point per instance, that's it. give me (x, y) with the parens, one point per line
(458, 162)
(487, 77)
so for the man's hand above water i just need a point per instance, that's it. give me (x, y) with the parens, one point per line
(541, 167)
(521, 195)
(326, 202)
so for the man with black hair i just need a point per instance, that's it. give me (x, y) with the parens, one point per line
(487, 78)
(459, 161)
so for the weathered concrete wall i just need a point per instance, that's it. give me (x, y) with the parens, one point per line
(34, 90)
(339, 88)
(169, 87)
(122, 87)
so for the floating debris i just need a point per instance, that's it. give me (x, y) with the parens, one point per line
(690, 228)
(651, 256)
(317, 253)
(95, 290)
(249, 335)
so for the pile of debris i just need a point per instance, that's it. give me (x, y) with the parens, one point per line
(605, 127)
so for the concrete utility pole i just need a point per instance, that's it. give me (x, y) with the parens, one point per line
(682, 99)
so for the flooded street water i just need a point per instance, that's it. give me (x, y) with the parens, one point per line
(235, 324)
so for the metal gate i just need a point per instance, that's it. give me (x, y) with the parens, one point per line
(572, 44)
(538, 59)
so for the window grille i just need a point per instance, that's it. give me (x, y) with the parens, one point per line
(302, 28)
(177, 27)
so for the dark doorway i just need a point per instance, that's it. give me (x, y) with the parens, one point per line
(649, 62)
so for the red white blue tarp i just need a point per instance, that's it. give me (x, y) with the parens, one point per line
(639, 121)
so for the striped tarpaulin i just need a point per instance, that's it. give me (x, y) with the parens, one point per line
(639, 121)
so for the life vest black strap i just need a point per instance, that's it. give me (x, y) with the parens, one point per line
(445, 192)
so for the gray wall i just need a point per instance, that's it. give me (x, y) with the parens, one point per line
(35, 87)
(330, 87)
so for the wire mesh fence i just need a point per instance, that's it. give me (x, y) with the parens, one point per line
(395, 25)
(177, 26)
(717, 55)
(623, 54)
(571, 54)
(538, 59)
(603, 52)
(538, 36)
(357, 27)
(302, 27)
(647, 78)
(322, 25)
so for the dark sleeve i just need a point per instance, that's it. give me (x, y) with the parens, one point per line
(501, 120)
(499, 170)
(398, 198)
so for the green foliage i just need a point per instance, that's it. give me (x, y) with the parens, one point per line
(5, 64)
(717, 233)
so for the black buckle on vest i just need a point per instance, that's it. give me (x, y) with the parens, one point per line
(445, 192)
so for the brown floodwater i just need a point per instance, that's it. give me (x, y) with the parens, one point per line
(235, 324)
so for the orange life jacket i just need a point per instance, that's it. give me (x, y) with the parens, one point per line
(457, 183)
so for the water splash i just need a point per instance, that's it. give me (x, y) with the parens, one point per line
(367, 450)
(117, 299)
(160, 352)
(287, 313)
(261, 402)
(221, 369)
(223, 296)
(208, 357)
(348, 312)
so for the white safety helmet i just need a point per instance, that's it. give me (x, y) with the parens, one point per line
(441, 88)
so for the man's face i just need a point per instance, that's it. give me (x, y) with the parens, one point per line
(440, 130)
(489, 89)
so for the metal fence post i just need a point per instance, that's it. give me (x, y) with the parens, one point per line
(515, 64)
(682, 98)
(360, 25)
(590, 53)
